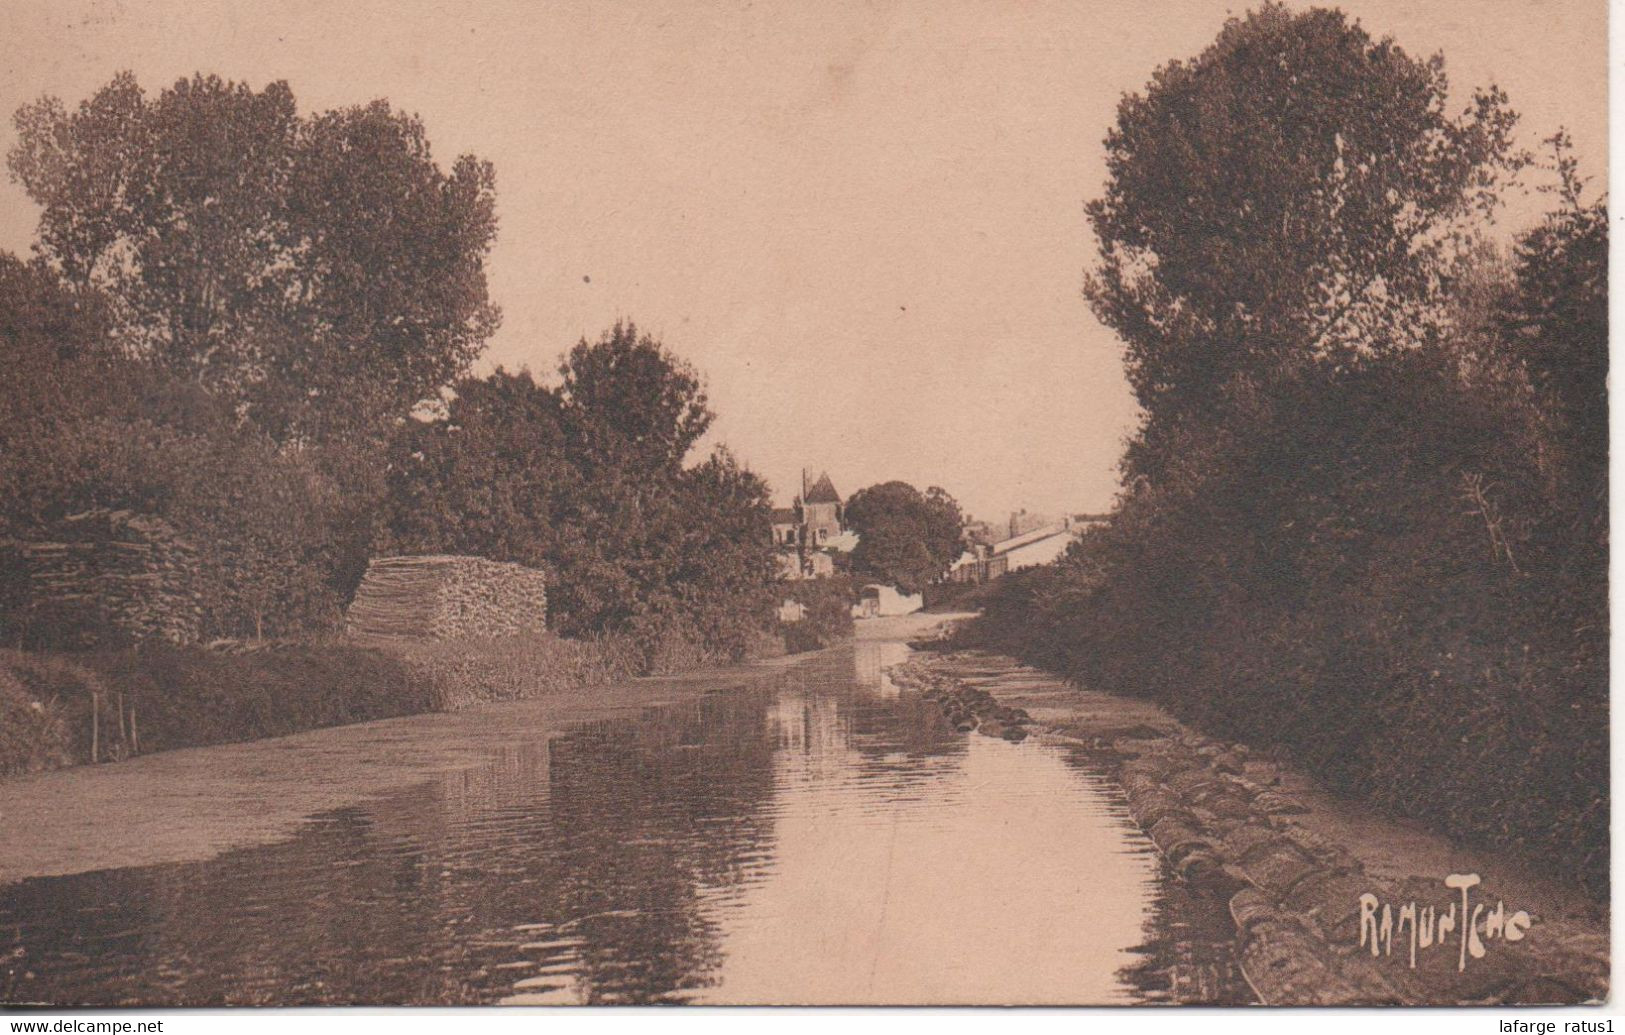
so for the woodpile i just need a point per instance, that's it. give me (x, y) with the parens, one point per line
(447, 597)
(105, 578)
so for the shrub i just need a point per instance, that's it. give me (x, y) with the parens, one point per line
(33, 731)
(81, 711)
(453, 674)
(828, 618)
(1375, 579)
(58, 710)
(193, 696)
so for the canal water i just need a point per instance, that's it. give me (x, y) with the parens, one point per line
(813, 837)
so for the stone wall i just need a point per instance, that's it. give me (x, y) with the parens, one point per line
(103, 578)
(447, 597)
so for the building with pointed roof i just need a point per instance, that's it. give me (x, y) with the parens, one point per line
(808, 531)
(820, 510)
(823, 491)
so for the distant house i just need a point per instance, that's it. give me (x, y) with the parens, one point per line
(1024, 521)
(809, 532)
(820, 511)
(1044, 544)
(980, 533)
(846, 542)
(970, 566)
(789, 565)
(786, 526)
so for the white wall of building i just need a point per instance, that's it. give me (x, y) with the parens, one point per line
(1039, 547)
(877, 601)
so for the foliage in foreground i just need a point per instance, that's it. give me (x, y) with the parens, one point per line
(57, 710)
(1365, 520)
(35, 733)
(829, 612)
(235, 316)
(1414, 625)
(202, 336)
(318, 273)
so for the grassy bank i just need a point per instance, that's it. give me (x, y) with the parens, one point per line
(1464, 721)
(58, 710)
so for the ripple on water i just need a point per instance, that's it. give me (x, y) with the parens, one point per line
(814, 837)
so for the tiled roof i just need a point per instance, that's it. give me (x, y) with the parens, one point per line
(1027, 538)
(785, 516)
(823, 491)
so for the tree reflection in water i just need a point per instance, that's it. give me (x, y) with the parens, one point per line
(702, 851)
(445, 894)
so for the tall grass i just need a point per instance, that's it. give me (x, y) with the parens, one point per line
(60, 709)
(452, 674)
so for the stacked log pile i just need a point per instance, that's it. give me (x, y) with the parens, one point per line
(447, 597)
(106, 578)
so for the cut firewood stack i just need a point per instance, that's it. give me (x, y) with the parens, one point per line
(447, 597)
(107, 577)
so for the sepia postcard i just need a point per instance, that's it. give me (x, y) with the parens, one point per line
(970, 502)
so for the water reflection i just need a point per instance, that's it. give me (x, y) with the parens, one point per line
(814, 837)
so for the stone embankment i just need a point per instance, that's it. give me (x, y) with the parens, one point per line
(967, 709)
(1225, 822)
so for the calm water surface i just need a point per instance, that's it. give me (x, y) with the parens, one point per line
(814, 838)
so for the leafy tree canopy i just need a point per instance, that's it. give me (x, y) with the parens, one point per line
(627, 399)
(487, 478)
(1557, 314)
(1296, 191)
(52, 344)
(588, 480)
(906, 537)
(319, 273)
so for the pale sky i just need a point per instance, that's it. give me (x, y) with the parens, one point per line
(863, 221)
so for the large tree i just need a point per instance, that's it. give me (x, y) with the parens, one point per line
(590, 480)
(1296, 192)
(490, 476)
(727, 567)
(1556, 319)
(320, 273)
(629, 399)
(631, 412)
(906, 537)
(52, 346)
